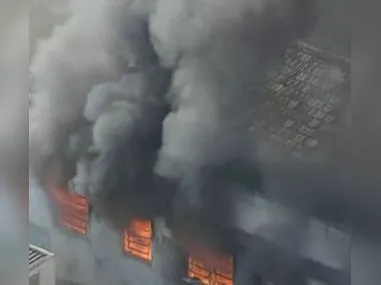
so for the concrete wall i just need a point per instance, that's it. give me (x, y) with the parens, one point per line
(48, 272)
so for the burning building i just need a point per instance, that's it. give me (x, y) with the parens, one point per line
(171, 157)
(259, 256)
(220, 273)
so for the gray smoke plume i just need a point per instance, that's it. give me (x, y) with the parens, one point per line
(222, 53)
(146, 104)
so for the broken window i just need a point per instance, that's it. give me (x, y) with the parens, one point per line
(219, 274)
(74, 210)
(137, 239)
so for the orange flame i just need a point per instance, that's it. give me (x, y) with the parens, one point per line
(74, 209)
(217, 272)
(137, 239)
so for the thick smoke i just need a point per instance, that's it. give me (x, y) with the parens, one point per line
(222, 53)
(147, 105)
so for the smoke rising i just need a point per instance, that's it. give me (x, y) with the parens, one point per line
(126, 138)
(222, 53)
(147, 105)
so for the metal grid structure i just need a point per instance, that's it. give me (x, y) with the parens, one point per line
(37, 257)
(301, 105)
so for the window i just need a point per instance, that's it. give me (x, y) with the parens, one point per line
(137, 239)
(75, 214)
(74, 210)
(219, 275)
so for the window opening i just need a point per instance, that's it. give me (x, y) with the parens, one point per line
(137, 239)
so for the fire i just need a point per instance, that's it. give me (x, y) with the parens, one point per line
(74, 209)
(219, 274)
(137, 239)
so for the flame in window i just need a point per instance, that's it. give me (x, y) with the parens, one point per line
(216, 275)
(74, 209)
(137, 239)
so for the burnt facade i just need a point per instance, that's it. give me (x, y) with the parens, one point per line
(298, 111)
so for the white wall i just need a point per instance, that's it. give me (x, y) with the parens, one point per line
(39, 212)
(48, 272)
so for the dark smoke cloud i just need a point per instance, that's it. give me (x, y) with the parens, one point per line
(93, 47)
(126, 138)
(147, 104)
(222, 53)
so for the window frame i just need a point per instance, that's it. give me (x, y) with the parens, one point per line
(130, 252)
(69, 210)
(213, 272)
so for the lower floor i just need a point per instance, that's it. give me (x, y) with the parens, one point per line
(99, 259)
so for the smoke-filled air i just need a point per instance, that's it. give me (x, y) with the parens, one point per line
(145, 105)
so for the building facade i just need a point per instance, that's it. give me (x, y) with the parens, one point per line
(298, 110)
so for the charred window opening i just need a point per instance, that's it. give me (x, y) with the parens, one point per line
(220, 273)
(74, 210)
(137, 239)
